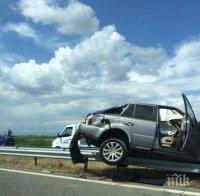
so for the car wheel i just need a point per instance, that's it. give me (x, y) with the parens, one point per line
(113, 151)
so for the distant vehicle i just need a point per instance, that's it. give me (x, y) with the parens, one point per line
(7, 140)
(64, 137)
(141, 130)
(2, 140)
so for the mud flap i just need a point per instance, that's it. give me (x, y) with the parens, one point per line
(75, 152)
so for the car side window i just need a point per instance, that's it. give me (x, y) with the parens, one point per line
(129, 111)
(67, 132)
(145, 112)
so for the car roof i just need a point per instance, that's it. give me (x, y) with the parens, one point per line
(147, 104)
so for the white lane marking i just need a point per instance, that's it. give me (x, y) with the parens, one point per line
(149, 188)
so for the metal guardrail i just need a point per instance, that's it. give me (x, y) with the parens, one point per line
(92, 153)
(49, 149)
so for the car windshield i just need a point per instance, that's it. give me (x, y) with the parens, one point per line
(67, 132)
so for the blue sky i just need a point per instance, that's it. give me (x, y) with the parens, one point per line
(144, 22)
(154, 22)
(61, 59)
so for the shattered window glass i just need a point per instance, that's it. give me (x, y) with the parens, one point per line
(129, 111)
(115, 110)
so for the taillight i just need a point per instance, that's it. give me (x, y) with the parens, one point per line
(88, 119)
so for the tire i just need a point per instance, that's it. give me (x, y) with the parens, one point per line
(113, 151)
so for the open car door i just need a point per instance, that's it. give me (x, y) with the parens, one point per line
(191, 142)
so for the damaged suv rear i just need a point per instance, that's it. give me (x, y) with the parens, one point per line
(146, 130)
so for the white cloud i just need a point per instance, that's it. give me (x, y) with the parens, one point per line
(185, 62)
(76, 18)
(141, 78)
(105, 55)
(98, 72)
(22, 29)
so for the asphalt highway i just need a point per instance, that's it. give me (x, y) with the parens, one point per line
(13, 183)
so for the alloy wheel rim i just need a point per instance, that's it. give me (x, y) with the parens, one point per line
(112, 151)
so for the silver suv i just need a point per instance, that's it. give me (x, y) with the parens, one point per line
(142, 130)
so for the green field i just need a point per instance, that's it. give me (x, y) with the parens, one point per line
(34, 141)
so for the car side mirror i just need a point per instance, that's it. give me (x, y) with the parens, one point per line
(59, 135)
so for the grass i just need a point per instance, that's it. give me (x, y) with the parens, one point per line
(34, 141)
(97, 170)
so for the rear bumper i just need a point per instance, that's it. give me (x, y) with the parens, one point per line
(75, 152)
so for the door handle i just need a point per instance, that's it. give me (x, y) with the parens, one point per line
(129, 123)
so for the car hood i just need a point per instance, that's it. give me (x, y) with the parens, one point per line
(57, 140)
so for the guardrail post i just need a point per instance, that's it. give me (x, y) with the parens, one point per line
(35, 160)
(117, 169)
(85, 167)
